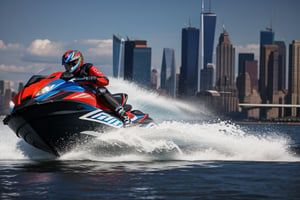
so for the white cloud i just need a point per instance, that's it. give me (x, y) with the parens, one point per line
(44, 47)
(10, 46)
(102, 48)
(46, 54)
(33, 68)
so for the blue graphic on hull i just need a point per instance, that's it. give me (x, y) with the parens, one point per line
(102, 117)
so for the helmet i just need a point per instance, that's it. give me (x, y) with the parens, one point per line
(72, 60)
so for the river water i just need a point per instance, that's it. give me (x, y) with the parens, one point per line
(187, 156)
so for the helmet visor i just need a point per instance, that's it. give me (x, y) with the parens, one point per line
(69, 66)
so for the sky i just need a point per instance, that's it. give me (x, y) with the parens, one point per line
(34, 34)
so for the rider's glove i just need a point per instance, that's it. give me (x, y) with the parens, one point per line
(66, 76)
(91, 78)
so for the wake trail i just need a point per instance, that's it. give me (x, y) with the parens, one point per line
(182, 133)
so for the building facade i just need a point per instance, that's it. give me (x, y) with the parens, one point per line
(118, 57)
(294, 78)
(168, 72)
(225, 63)
(137, 62)
(189, 75)
(225, 74)
(243, 57)
(207, 37)
(281, 64)
(266, 37)
(5, 96)
(268, 75)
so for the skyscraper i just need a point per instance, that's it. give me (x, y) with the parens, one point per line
(251, 68)
(188, 85)
(247, 64)
(168, 72)
(225, 63)
(118, 57)
(137, 62)
(207, 36)
(294, 78)
(268, 80)
(4, 85)
(281, 64)
(268, 75)
(225, 74)
(266, 37)
(243, 57)
(5, 96)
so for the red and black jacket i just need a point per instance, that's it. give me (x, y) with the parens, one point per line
(89, 69)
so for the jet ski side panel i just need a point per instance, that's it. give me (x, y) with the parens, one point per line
(54, 127)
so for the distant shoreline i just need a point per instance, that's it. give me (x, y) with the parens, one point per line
(267, 122)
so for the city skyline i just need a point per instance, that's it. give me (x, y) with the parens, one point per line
(31, 42)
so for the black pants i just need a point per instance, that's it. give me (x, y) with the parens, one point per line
(106, 98)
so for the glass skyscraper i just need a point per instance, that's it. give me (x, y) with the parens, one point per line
(209, 26)
(137, 62)
(168, 72)
(281, 64)
(188, 85)
(266, 37)
(142, 66)
(118, 57)
(207, 37)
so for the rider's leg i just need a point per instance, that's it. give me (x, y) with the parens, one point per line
(105, 97)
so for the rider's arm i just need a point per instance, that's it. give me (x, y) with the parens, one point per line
(101, 78)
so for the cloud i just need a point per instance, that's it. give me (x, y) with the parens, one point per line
(46, 54)
(45, 48)
(28, 69)
(10, 46)
(249, 48)
(102, 48)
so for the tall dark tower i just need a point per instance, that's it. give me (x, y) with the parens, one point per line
(294, 78)
(247, 70)
(266, 38)
(189, 62)
(243, 57)
(137, 62)
(281, 64)
(207, 36)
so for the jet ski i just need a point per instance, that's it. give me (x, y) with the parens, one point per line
(53, 114)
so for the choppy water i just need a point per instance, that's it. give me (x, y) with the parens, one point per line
(186, 156)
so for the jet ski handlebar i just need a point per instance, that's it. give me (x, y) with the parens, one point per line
(88, 78)
(67, 76)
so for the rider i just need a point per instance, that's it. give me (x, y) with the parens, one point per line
(73, 62)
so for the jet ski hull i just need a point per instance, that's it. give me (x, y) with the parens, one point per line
(56, 127)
